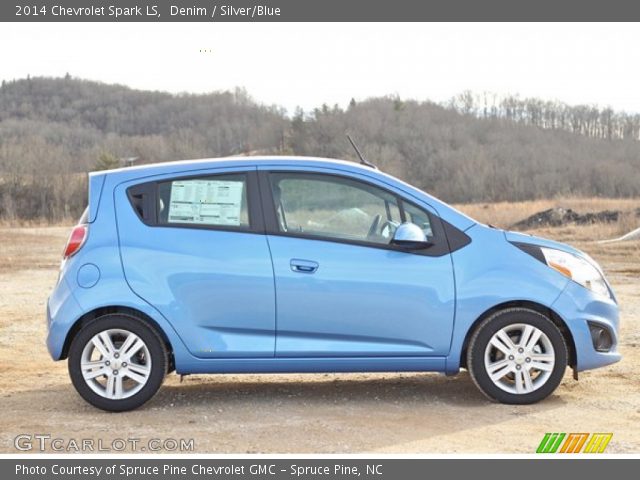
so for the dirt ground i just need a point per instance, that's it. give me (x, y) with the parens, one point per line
(354, 413)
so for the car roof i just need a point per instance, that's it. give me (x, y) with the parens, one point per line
(203, 163)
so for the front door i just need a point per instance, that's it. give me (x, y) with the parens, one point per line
(341, 288)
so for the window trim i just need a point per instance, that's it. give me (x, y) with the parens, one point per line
(439, 245)
(256, 219)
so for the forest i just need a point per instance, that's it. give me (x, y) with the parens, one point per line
(477, 147)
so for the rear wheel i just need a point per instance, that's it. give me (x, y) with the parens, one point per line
(517, 356)
(117, 362)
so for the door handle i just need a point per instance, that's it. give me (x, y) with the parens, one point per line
(303, 266)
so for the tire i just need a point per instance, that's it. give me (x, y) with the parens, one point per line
(120, 375)
(533, 347)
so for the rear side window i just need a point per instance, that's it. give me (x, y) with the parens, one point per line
(217, 201)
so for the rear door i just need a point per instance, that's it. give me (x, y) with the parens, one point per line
(194, 248)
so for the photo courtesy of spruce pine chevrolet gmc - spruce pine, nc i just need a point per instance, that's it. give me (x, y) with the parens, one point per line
(281, 264)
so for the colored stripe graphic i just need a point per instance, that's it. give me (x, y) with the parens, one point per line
(543, 443)
(550, 442)
(598, 442)
(574, 443)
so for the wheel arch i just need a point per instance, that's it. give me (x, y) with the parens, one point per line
(126, 311)
(537, 307)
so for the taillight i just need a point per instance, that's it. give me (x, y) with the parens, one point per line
(76, 240)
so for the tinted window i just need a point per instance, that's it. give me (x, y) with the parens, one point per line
(334, 207)
(219, 200)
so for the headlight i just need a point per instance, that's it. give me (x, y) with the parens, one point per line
(577, 269)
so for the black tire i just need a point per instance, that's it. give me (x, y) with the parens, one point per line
(483, 334)
(154, 344)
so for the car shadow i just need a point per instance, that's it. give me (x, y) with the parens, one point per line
(322, 388)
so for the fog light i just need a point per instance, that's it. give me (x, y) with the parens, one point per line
(601, 337)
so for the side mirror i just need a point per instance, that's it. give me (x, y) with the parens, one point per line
(410, 235)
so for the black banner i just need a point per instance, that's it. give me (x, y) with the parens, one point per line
(280, 469)
(315, 10)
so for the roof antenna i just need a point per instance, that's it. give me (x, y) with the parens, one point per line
(363, 161)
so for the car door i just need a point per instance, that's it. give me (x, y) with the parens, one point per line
(341, 288)
(194, 248)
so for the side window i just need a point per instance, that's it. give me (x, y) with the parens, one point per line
(334, 207)
(418, 216)
(218, 201)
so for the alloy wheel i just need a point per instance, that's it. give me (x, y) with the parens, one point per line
(116, 364)
(519, 358)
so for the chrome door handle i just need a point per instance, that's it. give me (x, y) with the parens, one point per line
(303, 266)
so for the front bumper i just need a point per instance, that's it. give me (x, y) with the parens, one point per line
(577, 306)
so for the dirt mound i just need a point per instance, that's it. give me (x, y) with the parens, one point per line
(557, 217)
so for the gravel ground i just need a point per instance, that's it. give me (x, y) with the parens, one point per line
(346, 413)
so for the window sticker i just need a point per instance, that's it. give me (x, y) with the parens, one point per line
(206, 202)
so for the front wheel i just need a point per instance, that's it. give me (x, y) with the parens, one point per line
(117, 362)
(517, 356)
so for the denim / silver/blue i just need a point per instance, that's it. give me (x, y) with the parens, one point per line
(278, 264)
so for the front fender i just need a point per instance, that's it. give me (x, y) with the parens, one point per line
(491, 272)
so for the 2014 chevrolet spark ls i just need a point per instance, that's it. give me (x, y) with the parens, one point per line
(312, 265)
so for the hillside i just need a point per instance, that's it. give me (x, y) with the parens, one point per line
(54, 129)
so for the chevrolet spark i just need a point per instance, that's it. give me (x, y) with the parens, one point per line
(277, 264)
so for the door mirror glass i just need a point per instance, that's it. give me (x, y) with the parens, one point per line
(410, 235)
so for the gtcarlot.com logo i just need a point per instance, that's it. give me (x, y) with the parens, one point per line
(574, 443)
(47, 443)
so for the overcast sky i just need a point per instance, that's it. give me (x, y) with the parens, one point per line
(309, 64)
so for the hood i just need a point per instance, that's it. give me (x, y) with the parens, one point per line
(516, 237)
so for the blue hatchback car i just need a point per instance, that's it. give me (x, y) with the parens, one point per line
(278, 264)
